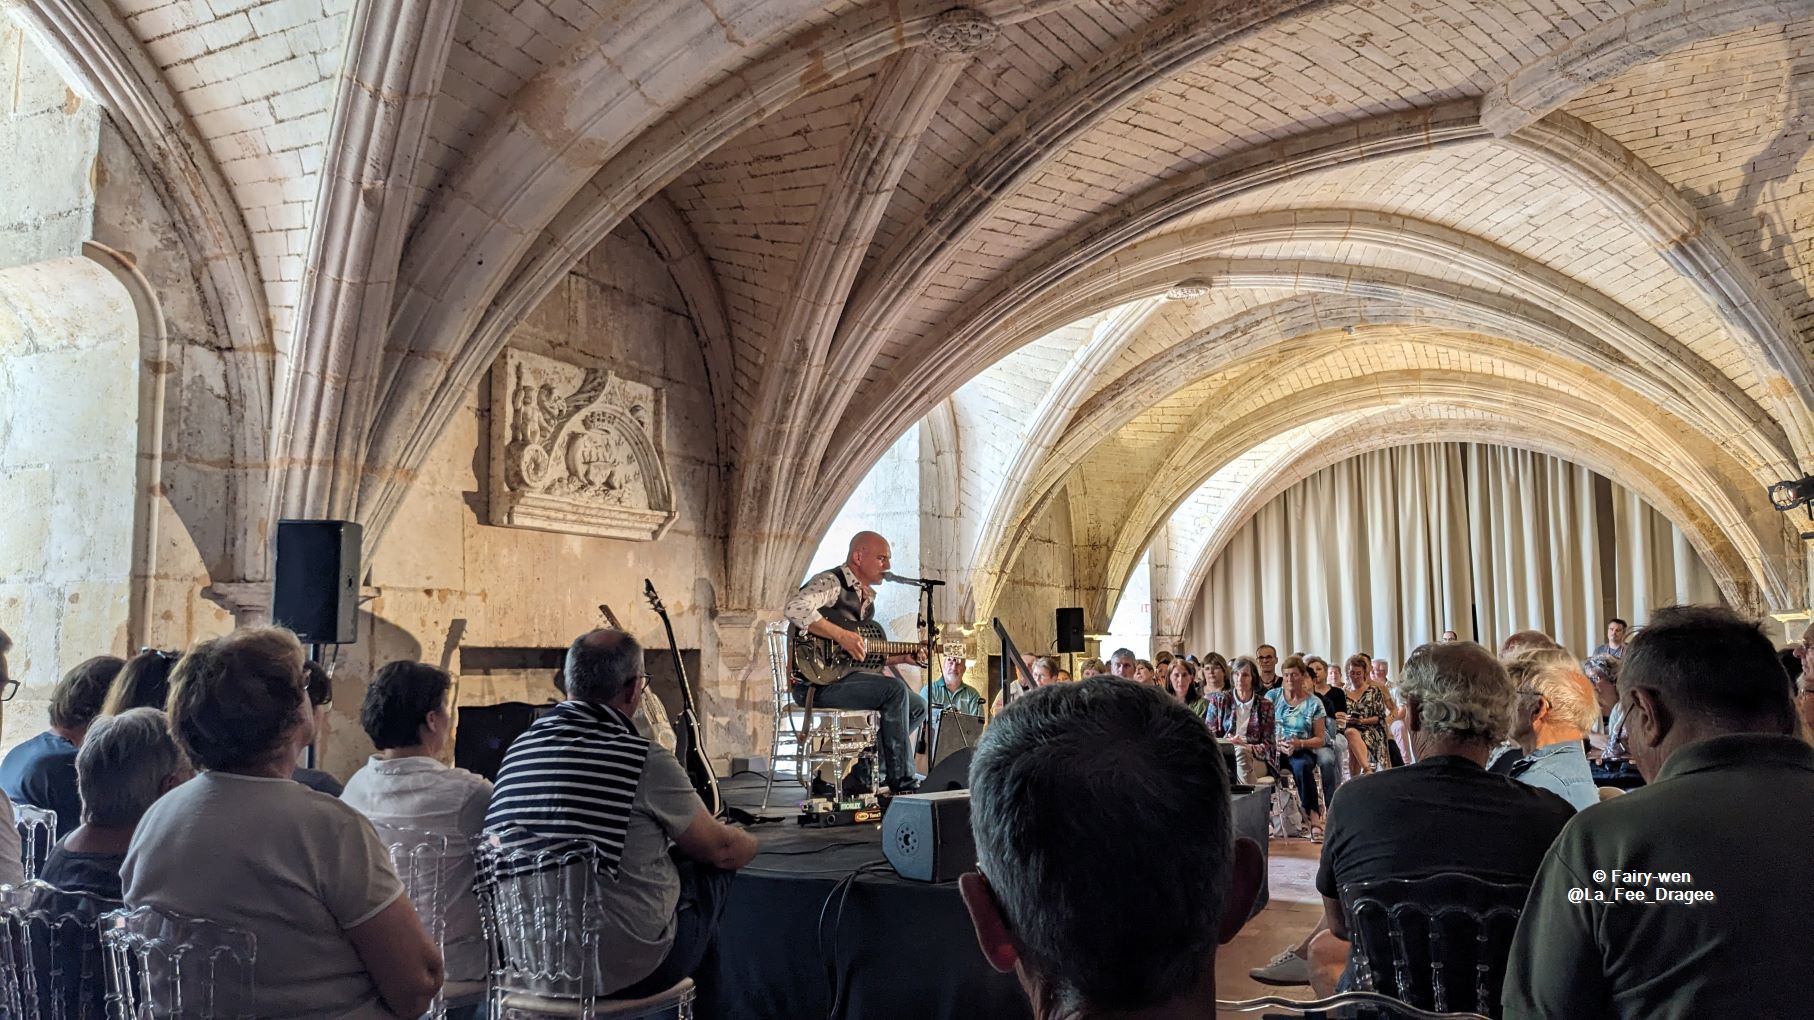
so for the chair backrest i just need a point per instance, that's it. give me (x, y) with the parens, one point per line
(37, 834)
(428, 865)
(172, 967)
(779, 667)
(1438, 943)
(1361, 1004)
(51, 966)
(540, 902)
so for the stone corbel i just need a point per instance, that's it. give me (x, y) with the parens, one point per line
(248, 601)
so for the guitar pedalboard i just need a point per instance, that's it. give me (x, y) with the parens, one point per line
(825, 813)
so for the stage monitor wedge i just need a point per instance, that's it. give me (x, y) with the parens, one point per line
(1070, 629)
(926, 836)
(315, 587)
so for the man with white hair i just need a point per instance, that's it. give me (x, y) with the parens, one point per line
(1555, 710)
(1445, 813)
(1124, 664)
(126, 763)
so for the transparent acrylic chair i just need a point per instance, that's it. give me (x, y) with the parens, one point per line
(163, 966)
(806, 738)
(1438, 943)
(437, 873)
(542, 912)
(37, 834)
(51, 964)
(1346, 1004)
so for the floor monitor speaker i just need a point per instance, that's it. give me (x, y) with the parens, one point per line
(315, 590)
(951, 773)
(1070, 629)
(926, 836)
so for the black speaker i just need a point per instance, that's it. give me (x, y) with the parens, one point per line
(315, 591)
(926, 836)
(952, 731)
(951, 773)
(1070, 629)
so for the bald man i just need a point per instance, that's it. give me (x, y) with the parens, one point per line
(832, 605)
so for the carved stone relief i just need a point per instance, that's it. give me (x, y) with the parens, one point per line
(576, 450)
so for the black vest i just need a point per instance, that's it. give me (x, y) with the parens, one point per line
(849, 610)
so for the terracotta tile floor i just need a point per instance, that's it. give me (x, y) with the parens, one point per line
(1293, 910)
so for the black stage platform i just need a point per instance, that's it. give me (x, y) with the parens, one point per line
(802, 938)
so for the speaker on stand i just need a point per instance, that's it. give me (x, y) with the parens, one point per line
(315, 585)
(1070, 634)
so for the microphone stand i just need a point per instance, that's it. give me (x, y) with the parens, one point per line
(928, 628)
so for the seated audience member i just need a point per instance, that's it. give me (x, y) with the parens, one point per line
(1369, 713)
(1213, 674)
(1123, 664)
(244, 845)
(1045, 671)
(1243, 717)
(143, 683)
(1398, 749)
(1730, 790)
(1143, 673)
(1092, 666)
(1443, 813)
(1804, 704)
(11, 870)
(1301, 726)
(1183, 685)
(1267, 658)
(1448, 636)
(1602, 672)
(580, 772)
(321, 698)
(1612, 765)
(1525, 641)
(128, 762)
(948, 689)
(1063, 676)
(1106, 899)
(1615, 639)
(408, 715)
(1555, 707)
(42, 771)
(1334, 751)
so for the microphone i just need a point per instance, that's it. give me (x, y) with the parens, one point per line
(923, 582)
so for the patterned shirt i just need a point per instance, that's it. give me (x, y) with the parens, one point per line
(1297, 723)
(821, 590)
(572, 775)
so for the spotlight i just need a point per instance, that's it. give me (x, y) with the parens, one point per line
(1786, 496)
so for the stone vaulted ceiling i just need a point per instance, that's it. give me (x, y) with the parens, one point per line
(1575, 225)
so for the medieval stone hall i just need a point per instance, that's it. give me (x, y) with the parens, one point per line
(1313, 327)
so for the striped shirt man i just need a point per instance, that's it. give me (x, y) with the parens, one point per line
(572, 775)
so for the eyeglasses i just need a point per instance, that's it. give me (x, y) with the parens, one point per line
(9, 689)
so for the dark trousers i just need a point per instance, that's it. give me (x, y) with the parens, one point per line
(1303, 766)
(703, 891)
(902, 712)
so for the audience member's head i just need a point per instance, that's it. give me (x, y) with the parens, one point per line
(1603, 672)
(1458, 699)
(1064, 676)
(143, 683)
(1696, 672)
(1143, 672)
(128, 761)
(1093, 666)
(1804, 703)
(1161, 658)
(1555, 700)
(1214, 673)
(406, 706)
(1525, 641)
(1045, 670)
(1182, 681)
(1244, 677)
(952, 671)
(1449, 635)
(237, 703)
(1378, 671)
(6, 645)
(1615, 631)
(1804, 649)
(318, 684)
(1318, 668)
(604, 667)
(1122, 662)
(1355, 668)
(1267, 658)
(77, 699)
(1296, 677)
(1108, 872)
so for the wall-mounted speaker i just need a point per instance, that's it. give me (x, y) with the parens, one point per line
(315, 585)
(926, 836)
(1070, 629)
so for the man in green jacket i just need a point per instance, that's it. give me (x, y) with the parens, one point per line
(1688, 897)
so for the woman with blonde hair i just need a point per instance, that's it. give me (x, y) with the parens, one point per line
(1369, 710)
(1214, 673)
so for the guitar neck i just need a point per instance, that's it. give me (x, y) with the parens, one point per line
(893, 647)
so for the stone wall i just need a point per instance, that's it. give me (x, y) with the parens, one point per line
(1042, 579)
(68, 432)
(49, 134)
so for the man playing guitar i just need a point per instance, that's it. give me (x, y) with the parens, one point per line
(831, 605)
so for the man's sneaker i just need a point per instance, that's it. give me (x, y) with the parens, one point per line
(823, 789)
(1287, 968)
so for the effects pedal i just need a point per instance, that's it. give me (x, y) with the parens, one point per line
(825, 813)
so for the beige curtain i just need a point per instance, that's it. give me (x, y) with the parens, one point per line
(1384, 551)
